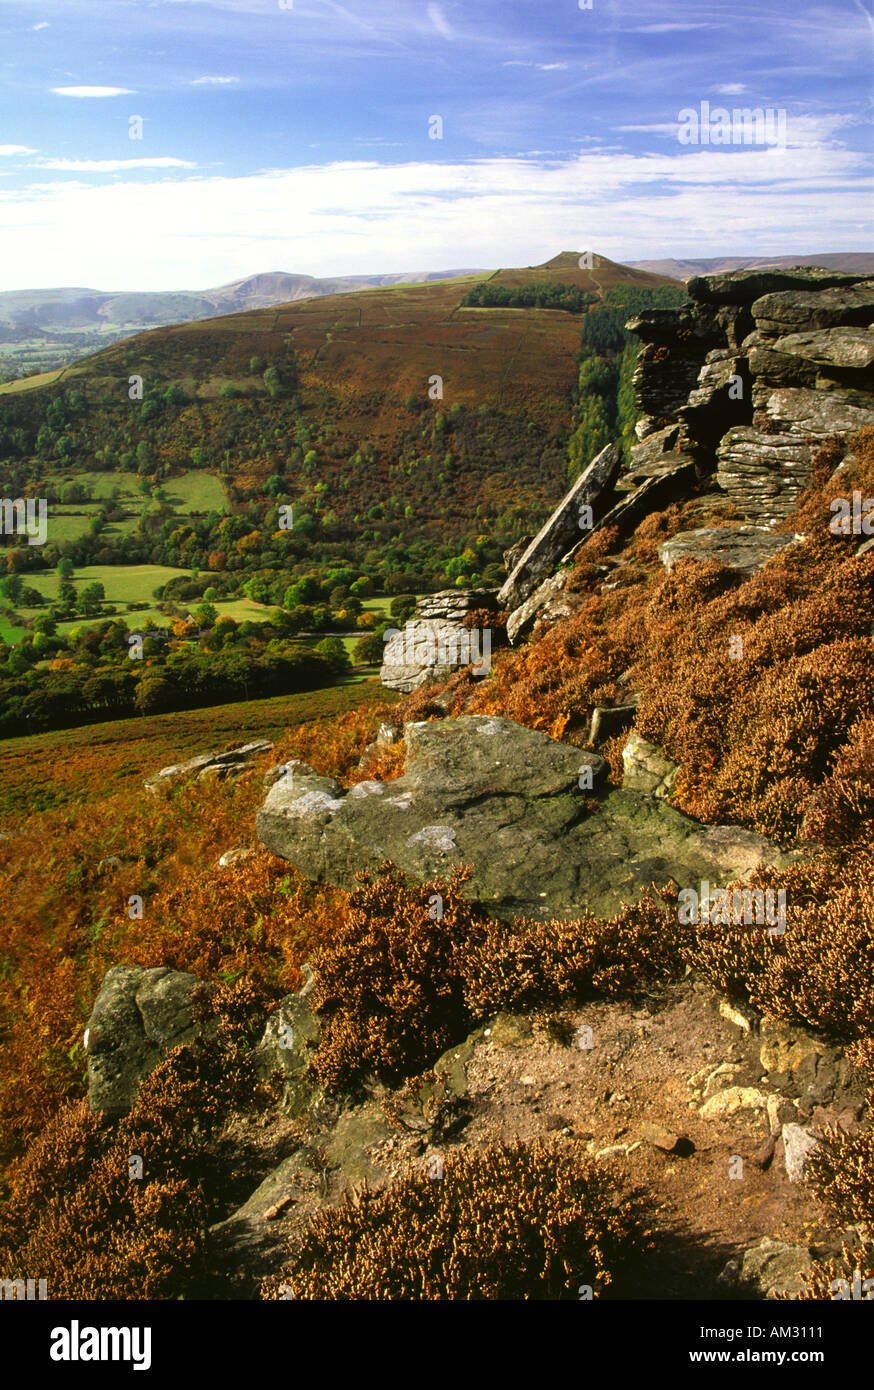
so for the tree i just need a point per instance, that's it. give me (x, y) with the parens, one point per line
(11, 587)
(368, 652)
(154, 693)
(65, 568)
(334, 651)
(205, 615)
(273, 382)
(67, 595)
(90, 599)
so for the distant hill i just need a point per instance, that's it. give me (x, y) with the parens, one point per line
(44, 329)
(390, 413)
(854, 262)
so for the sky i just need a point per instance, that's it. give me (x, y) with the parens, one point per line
(324, 138)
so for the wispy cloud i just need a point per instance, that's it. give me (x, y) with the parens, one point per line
(44, 24)
(111, 166)
(668, 27)
(732, 89)
(440, 22)
(16, 149)
(213, 81)
(92, 91)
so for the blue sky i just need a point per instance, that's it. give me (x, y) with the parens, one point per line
(296, 137)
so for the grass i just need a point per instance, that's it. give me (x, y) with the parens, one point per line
(31, 382)
(193, 491)
(101, 484)
(196, 491)
(9, 632)
(123, 583)
(82, 765)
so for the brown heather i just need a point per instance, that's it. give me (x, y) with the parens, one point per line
(509, 1222)
(77, 1217)
(396, 988)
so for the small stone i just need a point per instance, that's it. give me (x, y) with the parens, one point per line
(233, 856)
(730, 1101)
(277, 1209)
(612, 1151)
(733, 1015)
(666, 1140)
(798, 1143)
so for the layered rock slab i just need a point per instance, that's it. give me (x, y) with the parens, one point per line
(520, 808)
(138, 1017)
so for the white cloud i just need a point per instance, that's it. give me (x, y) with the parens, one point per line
(552, 67)
(16, 149)
(439, 20)
(92, 91)
(732, 89)
(43, 25)
(358, 216)
(110, 166)
(213, 81)
(668, 28)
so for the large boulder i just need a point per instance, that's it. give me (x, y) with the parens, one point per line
(428, 649)
(764, 473)
(520, 808)
(138, 1016)
(549, 601)
(850, 348)
(563, 528)
(817, 414)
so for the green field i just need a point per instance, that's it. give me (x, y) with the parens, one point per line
(9, 632)
(196, 491)
(123, 583)
(193, 491)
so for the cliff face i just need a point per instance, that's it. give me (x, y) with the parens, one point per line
(750, 379)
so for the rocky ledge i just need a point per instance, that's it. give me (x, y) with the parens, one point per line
(522, 809)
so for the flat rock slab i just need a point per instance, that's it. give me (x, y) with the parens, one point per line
(788, 312)
(744, 548)
(509, 802)
(232, 763)
(831, 347)
(562, 528)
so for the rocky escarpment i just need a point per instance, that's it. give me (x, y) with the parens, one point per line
(738, 390)
(751, 378)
